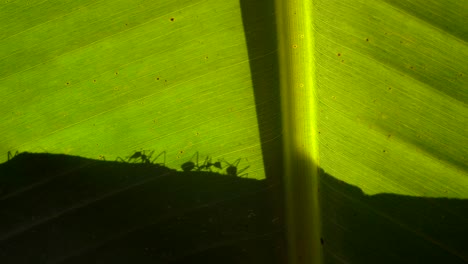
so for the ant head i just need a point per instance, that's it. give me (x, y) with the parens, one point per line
(188, 166)
(231, 171)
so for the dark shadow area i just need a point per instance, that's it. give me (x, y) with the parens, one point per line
(67, 209)
(259, 21)
(258, 18)
(448, 19)
(389, 228)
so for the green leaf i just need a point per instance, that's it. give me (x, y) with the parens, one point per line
(105, 79)
(392, 89)
(393, 93)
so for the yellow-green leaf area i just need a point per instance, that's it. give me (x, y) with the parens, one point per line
(104, 79)
(393, 93)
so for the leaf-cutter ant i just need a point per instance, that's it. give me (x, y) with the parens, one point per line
(231, 170)
(144, 156)
(208, 164)
(190, 165)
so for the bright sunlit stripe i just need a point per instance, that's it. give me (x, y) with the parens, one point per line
(299, 109)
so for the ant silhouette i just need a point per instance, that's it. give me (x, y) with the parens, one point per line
(207, 164)
(231, 170)
(144, 157)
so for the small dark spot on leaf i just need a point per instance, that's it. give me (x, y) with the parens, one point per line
(339, 54)
(401, 42)
(172, 19)
(157, 79)
(165, 80)
(411, 67)
(68, 83)
(384, 151)
(319, 132)
(322, 241)
(367, 39)
(389, 136)
(94, 80)
(385, 33)
(206, 57)
(116, 73)
(294, 46)
(389, 88)
(342, 60)
(181, 152)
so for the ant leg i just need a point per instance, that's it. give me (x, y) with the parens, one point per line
(146, 158)
(209, 164)
(206, 164)
(233, 164)
(11, 156)
(236, 162)
(239, 172)
(120, 159)
(164, 162)
(225, 161)
(150, 154)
